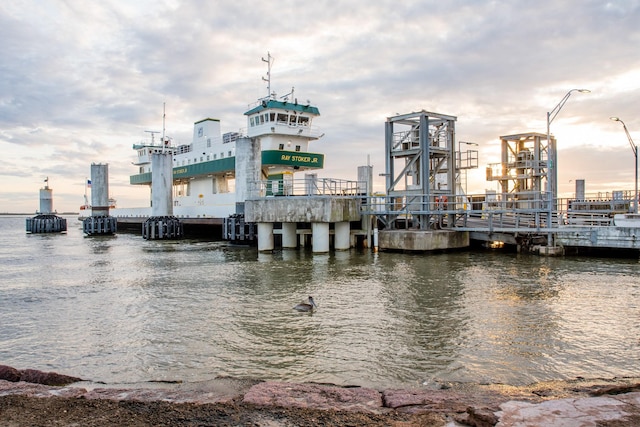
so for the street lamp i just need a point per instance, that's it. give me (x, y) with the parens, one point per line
(634, 147)
(552, 160)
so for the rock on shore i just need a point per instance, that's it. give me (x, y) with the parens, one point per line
(228, 401)
(11, 374)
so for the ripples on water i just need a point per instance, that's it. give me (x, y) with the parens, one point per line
(122, 309)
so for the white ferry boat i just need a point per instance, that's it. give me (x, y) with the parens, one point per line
(204, 170)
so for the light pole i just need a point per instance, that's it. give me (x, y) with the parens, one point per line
(552, 161)
(634, 147)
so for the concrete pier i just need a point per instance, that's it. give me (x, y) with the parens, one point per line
(422, 240)
(319, 211)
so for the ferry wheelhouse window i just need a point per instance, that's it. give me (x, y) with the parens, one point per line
(272, 117)
(251, 121)
(282, 118)
(304, 121)
(292, 120)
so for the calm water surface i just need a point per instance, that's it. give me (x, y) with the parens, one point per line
(122, 309)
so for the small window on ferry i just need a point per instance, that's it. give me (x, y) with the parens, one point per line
(188, 161)
(281, 147)
(200, 158)
(297, 148)
(304, 121)
(251, 121)
(208, 143)
(222, 155)
(230, 154)
(208, 157)
(215, 156)
(282, 118)
(141, 169)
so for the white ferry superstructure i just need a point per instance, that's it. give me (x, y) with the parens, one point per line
(204, 170)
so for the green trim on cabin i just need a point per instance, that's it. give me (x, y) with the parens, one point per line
(293, 158)
(284, 105)
(205, 168)
(269, 157)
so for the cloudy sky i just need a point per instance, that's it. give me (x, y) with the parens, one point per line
(81, 81)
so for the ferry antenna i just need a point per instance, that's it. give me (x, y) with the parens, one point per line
(270, 59)
(164, 115)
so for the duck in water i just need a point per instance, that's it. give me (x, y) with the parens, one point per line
(306, 306)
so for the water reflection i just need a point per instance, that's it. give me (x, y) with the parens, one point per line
(126, 309)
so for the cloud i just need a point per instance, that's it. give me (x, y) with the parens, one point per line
(79, 83)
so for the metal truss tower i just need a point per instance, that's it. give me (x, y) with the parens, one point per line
(420, 168)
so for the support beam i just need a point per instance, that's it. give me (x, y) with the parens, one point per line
(265, 237)
(341, 236)
(320, 233)
(289, 236)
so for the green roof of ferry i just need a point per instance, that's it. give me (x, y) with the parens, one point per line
(283, 105)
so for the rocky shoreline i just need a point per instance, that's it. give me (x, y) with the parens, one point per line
(36, 398)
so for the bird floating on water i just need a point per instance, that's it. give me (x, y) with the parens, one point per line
(306, 306)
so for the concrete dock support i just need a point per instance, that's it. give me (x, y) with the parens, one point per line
(289, 235)
(46, 221)
(341, 241)
(265, 237)
(99, 223)
(162, 224)
(320, 233)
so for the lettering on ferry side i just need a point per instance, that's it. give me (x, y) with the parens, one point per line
(285, 157)
(315, 160)
(178, 171)
(301, 159)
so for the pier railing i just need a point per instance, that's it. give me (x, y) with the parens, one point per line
(493, 212)
(487, 212)
(309, 186)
